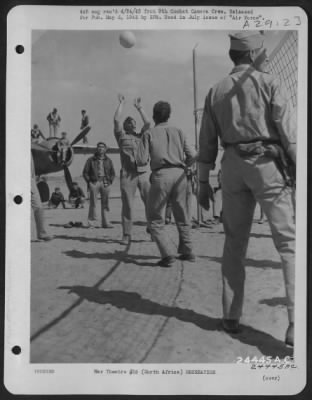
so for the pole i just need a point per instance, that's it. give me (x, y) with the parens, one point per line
(196, 126)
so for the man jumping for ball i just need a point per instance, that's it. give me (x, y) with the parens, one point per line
(131, 177)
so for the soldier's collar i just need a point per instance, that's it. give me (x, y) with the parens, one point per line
(241, 67)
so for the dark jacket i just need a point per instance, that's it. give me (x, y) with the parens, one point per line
(90, 171)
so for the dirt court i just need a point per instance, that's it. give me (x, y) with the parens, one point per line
(94, 300)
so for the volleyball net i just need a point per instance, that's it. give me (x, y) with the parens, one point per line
(284, 63)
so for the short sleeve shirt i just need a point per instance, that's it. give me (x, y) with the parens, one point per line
(128, 145)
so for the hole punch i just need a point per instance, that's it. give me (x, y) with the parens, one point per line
(18, 199)
(16, 350)
(19, 49)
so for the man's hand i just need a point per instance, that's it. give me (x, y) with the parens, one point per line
(205, 195)
(121, 98)
(137, 103)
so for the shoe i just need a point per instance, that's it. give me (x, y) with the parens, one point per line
(109, 225)
(289, 340)
(45, 238)
(126, 239)
(187, 257)
(231, 325)
(69, 225)
(167, 221)
(166, 262)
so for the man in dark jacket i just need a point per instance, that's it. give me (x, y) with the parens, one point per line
(99, 174)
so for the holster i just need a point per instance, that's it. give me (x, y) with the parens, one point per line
(273, 150)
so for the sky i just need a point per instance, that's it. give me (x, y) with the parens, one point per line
(75, 70)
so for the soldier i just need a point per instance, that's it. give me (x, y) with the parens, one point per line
(248, 110)
(54, 122)
(131, 177)
(36, 134)
(170, 155)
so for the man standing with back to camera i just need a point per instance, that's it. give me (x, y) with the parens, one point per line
(170, 154)
(131, 176)
(249, 112)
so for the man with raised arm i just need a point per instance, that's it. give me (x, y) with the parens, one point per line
(131, 176)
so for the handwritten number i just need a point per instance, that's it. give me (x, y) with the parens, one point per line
(298, 20)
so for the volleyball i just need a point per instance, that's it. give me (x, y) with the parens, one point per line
(127, 39)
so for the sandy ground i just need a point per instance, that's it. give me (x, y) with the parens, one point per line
(95, 300)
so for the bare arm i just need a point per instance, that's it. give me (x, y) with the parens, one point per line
(143, 151)
(145, 119)
(118, 114)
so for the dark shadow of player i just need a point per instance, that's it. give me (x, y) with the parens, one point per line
(134, 302)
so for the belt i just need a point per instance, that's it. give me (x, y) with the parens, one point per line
(260, 141)
(167, 167)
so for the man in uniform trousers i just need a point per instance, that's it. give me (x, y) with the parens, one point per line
(131, 176)
(170, 155)
(248, 110)
(36, 205)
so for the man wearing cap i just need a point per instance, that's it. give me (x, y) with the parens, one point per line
(170, 154)
(131, 176)
(249, 113)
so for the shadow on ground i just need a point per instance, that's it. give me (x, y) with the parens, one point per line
(275, 301)
(249, 262)
(117, 255)
(134, 302)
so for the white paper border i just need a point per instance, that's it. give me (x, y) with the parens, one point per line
(19, 374)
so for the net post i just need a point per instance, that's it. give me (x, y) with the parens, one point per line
(196, 129)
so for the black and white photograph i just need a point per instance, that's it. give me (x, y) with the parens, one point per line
(161, 200)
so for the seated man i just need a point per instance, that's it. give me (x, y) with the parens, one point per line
(76, 196)
(36, 134)
(57, 198)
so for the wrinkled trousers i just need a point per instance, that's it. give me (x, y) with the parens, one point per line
(94, 189)
(170, 185)
(129, 182)
(246, 181)
(38, 210)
